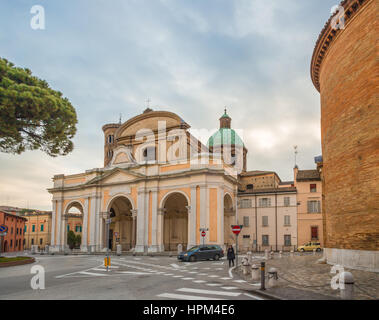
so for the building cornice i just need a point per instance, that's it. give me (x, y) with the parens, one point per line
(328, 35)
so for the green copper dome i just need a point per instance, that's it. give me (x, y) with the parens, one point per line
(225, 136)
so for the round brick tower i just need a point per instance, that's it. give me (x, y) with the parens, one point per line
(344, 70)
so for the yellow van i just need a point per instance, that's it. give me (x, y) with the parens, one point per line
(310, 246)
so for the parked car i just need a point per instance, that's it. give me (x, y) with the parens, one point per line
(203, 252)
(310, 246)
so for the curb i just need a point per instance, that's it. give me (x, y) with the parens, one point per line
(17, 263)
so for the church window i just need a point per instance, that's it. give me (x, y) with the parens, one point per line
(149, 154)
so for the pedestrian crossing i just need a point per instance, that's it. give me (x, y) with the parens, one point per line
(196, 294)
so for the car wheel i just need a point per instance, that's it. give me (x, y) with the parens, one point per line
(302, 250)
(192, 259)
(217, 257)
(318, 250)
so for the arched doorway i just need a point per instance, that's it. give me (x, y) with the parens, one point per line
(73, 227)
(229, 220)
(122, 228)
(175, 222)
(5, 249)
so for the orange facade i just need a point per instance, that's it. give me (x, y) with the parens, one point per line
(14, 240)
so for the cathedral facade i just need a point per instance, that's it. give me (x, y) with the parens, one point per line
(158, 188)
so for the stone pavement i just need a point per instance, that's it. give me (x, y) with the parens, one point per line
(300, 277)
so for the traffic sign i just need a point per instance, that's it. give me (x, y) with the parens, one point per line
(3, 228)
(203, 233)
(237, 229)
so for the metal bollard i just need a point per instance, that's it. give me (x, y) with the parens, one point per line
(280, 254)
(272, 255)
(272, 278)
(254, 272)
(263, 274)
(346, 284)
(119, 249)
(266, 254)
(314, 252)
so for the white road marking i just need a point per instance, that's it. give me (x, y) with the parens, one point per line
(239, 281)
(212, 292)
(229, 288)
(254, 297)
(214, 284)
(187, 278)
(214, 276)
(178, 276)
(93, 274)
(193, 272)
(199, 281)
(175, 265)
(132, 272)
(230, 272)
(226, 278)
(185, 297)
(203, 274)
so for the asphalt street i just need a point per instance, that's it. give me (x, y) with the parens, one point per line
(129, 278)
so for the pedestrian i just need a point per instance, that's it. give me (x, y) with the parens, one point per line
(231, 256)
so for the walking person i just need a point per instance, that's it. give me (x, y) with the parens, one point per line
(231, 256)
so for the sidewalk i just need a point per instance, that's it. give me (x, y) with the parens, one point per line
(301, 278)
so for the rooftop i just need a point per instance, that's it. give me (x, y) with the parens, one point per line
(308, 175)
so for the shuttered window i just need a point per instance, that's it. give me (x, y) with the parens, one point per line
(246, 222)
(265, 221)
(245, 203)
(287, 220)
(314, 206)
(265, 202)
(287, 201)
(265, 240)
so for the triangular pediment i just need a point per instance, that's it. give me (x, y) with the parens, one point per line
(118, 175)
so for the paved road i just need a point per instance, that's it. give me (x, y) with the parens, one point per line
(130, 278)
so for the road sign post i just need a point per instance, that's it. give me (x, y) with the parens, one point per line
(108, 221)
(203, 234)
(236, 230)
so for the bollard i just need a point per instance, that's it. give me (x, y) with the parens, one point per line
(263, 268)
(245, 266)
(314, 252)
(346, 285)
(119, 249)
(254, 272)
(249, 257)
(266, 254)
(280, 254)
(180, 248)
(272, 255)
(272, 278)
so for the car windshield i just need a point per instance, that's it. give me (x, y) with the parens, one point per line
(193, 249)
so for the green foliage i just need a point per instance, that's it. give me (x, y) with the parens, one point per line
(32, 115)
(71, 239)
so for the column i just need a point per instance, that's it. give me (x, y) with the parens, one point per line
(154, 222)
(134, 226)
(220, 216)
(192, 220)
(141, 221)
(92, 218)
(98, 225)
(160, 234)
(53, 222)
(64, 232)
(204, 206)
(83, 246)
(58, 221)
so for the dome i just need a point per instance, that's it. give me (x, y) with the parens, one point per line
(225, 136)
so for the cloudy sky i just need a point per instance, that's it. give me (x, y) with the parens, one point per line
(191, 57)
